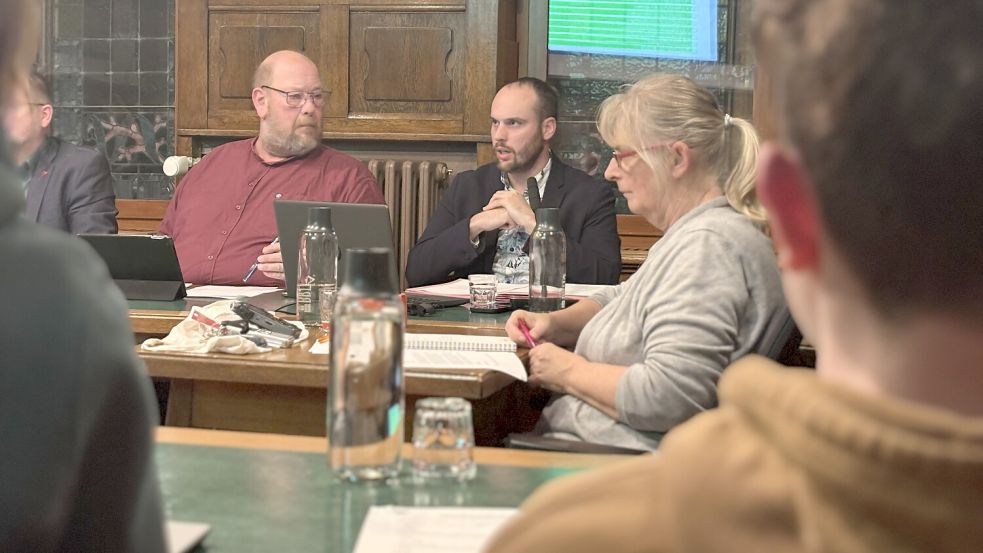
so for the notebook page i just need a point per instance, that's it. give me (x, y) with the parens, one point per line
(435, 359)
(393, 529)
(458, 342)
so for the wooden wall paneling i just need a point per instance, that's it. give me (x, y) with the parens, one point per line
(508, 44)
(446, 59)
(237, 42)
(485, 151)
(407, 65)
(334, 62)
(763, 105)
(481, 65)
(184, 145)
(190, 64)
(140, 216)
(416, 52)
(636, 232)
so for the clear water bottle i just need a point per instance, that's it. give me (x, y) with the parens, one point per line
(547, 262)
(317, 268)
(365, 393)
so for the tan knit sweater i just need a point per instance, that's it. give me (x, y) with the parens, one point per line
(787, 463)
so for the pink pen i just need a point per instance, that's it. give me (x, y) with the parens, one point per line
(525, 332)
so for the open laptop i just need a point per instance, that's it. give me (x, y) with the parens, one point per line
(144, 267)
(357, 226)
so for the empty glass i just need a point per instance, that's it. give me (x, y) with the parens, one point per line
(482, 289)
(443, 439)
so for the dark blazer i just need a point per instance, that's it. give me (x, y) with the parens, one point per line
(71, 189)
(444, 252)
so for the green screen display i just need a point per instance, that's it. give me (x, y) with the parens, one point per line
(674, 29)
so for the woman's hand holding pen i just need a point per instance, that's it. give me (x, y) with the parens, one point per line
(551, 367)
(536, 328)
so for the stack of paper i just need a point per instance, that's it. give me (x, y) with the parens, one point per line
(460, 289)
(228, 292)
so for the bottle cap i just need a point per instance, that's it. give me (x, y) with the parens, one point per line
(319, 217)
(369, 272)
(548, 216)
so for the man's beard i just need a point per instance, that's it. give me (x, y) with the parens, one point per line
(524, 159)
(292, 144)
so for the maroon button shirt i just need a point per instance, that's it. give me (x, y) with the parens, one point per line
(221, 215)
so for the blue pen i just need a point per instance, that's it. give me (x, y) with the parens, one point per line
(254, 266)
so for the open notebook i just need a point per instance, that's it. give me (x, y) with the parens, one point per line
(454, 351)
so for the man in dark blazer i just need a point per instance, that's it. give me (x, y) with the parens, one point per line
(484, 219)
(67, 187)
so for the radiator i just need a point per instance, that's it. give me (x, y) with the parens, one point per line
(412, 190)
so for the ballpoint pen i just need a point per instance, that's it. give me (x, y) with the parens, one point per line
(525, 332)
(252, 268)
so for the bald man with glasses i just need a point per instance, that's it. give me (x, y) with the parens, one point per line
(221, 217)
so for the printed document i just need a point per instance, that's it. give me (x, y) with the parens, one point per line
(394, 529)
(229, 292)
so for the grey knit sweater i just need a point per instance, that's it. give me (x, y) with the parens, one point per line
(708, 293)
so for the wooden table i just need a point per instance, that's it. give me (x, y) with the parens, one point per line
(264, 492)
(285, 391)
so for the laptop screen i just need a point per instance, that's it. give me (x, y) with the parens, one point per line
(144, 267)
(357, 226)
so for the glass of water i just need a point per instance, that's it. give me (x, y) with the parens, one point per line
(443, 439)
(482, 289)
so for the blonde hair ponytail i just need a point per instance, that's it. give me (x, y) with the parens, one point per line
(663, 107)
(741, 143)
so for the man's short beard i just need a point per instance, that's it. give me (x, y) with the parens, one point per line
(293, 145)
(524, 165)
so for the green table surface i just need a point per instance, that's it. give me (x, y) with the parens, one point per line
(285, 501)
(450, 314)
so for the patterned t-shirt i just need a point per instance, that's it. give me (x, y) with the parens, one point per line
(511, 265)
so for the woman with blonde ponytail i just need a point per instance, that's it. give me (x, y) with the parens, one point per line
(649, 352)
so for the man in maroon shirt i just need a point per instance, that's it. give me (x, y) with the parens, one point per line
(221, 217)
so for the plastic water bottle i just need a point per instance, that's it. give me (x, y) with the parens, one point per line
(547, 262)
(317, 268)
(366, 399)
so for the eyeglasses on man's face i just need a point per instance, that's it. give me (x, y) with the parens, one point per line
(296, 98)
(619, 157)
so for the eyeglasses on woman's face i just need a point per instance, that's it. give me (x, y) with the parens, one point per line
(619, 157)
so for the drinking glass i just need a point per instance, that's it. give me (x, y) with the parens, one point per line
(482, 289)
(443, 439)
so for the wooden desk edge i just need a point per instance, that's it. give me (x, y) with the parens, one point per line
(159, 322)
(305, 444)
(155, 322)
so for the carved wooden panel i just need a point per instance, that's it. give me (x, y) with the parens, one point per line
(395, 69)
(238, 42)
(242, 48)
(407, 63)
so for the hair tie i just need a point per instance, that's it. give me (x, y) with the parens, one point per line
(728, 120)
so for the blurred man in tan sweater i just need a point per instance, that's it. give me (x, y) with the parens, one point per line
(873, 191)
